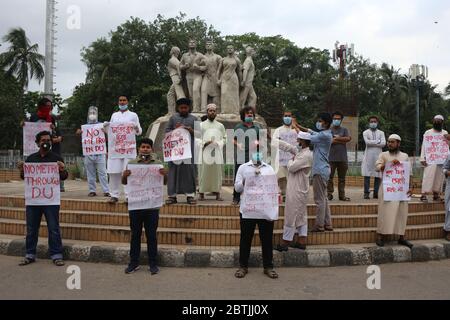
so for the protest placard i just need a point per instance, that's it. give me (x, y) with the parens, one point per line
(122, 140)
(145, 187)
(396, 181)
(30, 130)
(436, 148)
(41, 184)
(291, 138)
(177, 145)
(260, 197)
(93, 139)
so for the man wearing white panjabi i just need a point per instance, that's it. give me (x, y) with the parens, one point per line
(392, 215)
(375, 142)
(117, 166)
(433, 178)
(296, 209)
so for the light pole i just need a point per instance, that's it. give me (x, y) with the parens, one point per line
(418, 75)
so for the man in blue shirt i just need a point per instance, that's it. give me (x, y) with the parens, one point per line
(321, 139)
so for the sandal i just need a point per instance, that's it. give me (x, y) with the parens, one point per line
(58, 262)
(424, 199)
(345, 199)
(271, 273)
(241, 273)
(191, 201)
(171, 200)
(26, 261)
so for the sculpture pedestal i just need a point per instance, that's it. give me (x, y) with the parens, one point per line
(156, 130)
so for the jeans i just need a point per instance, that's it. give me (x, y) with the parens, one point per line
(265, 235)
(33, 217)
(341, 168)
(376, 186)
(96, 164)
(149, 219)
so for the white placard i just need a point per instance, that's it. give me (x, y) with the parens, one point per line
(42, 184)
(177, 145)
(291, 138)
(145, 187)
(122, 140)
(93, 139)
(436, 148)
(30, 130)
(396, 181)
(260, 198)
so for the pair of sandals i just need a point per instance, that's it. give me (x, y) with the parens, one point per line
(173, 200)
(27, 261)
(242, 272)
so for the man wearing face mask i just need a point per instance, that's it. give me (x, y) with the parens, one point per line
(338, 156)
(248, 132)
(375, 142)
(95, 164)
(433, 179)
(282, 133)
(34, 213)
(117, 166)
(321, 140)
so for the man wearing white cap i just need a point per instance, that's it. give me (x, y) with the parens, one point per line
(433, 178)
(392, 215)
(296, 210)
(213, 139)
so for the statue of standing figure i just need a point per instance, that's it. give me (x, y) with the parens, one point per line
(210, 89)
(248, 96)
(229, 77)
(176, 90)
(194, 65)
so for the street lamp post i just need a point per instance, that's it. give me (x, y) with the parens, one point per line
(418, 74)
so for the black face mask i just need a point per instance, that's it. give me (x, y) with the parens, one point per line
(437, 126)
(46, 146)
(145, 157)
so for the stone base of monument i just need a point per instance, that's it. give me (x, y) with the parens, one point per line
(157, 129)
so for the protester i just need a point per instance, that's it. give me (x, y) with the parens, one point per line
(95, 164)
(182, 176)
(117, 166)
(248, 225)
(338, 156)
(321, 140)
(248, 131)
(296, 209)
(392, 215)
(213, 140)
(446, 170)
(282, 133)
(145, 217)
(375, 142)
(51, 212)
(433, 178)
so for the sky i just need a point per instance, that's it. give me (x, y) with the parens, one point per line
(399, 32)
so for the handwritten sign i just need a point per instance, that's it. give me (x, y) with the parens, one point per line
(30, 130)
(122, 141)
(396, 181)
(291, 138)
(145, 187)
(93, 139)
(260, 198)
(177, 145)
(42, 184)
(436, 148)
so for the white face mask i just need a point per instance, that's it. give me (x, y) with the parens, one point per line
(92, 118)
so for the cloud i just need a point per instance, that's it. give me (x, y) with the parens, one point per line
(398, 32)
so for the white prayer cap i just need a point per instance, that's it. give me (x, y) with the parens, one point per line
(395, 137)
(304, 136)
(211, 106)
(439, 117)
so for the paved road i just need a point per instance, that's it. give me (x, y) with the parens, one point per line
(42, 280)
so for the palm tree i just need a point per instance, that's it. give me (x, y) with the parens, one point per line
(22, 59)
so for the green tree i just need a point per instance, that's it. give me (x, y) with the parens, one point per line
(22, 59)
